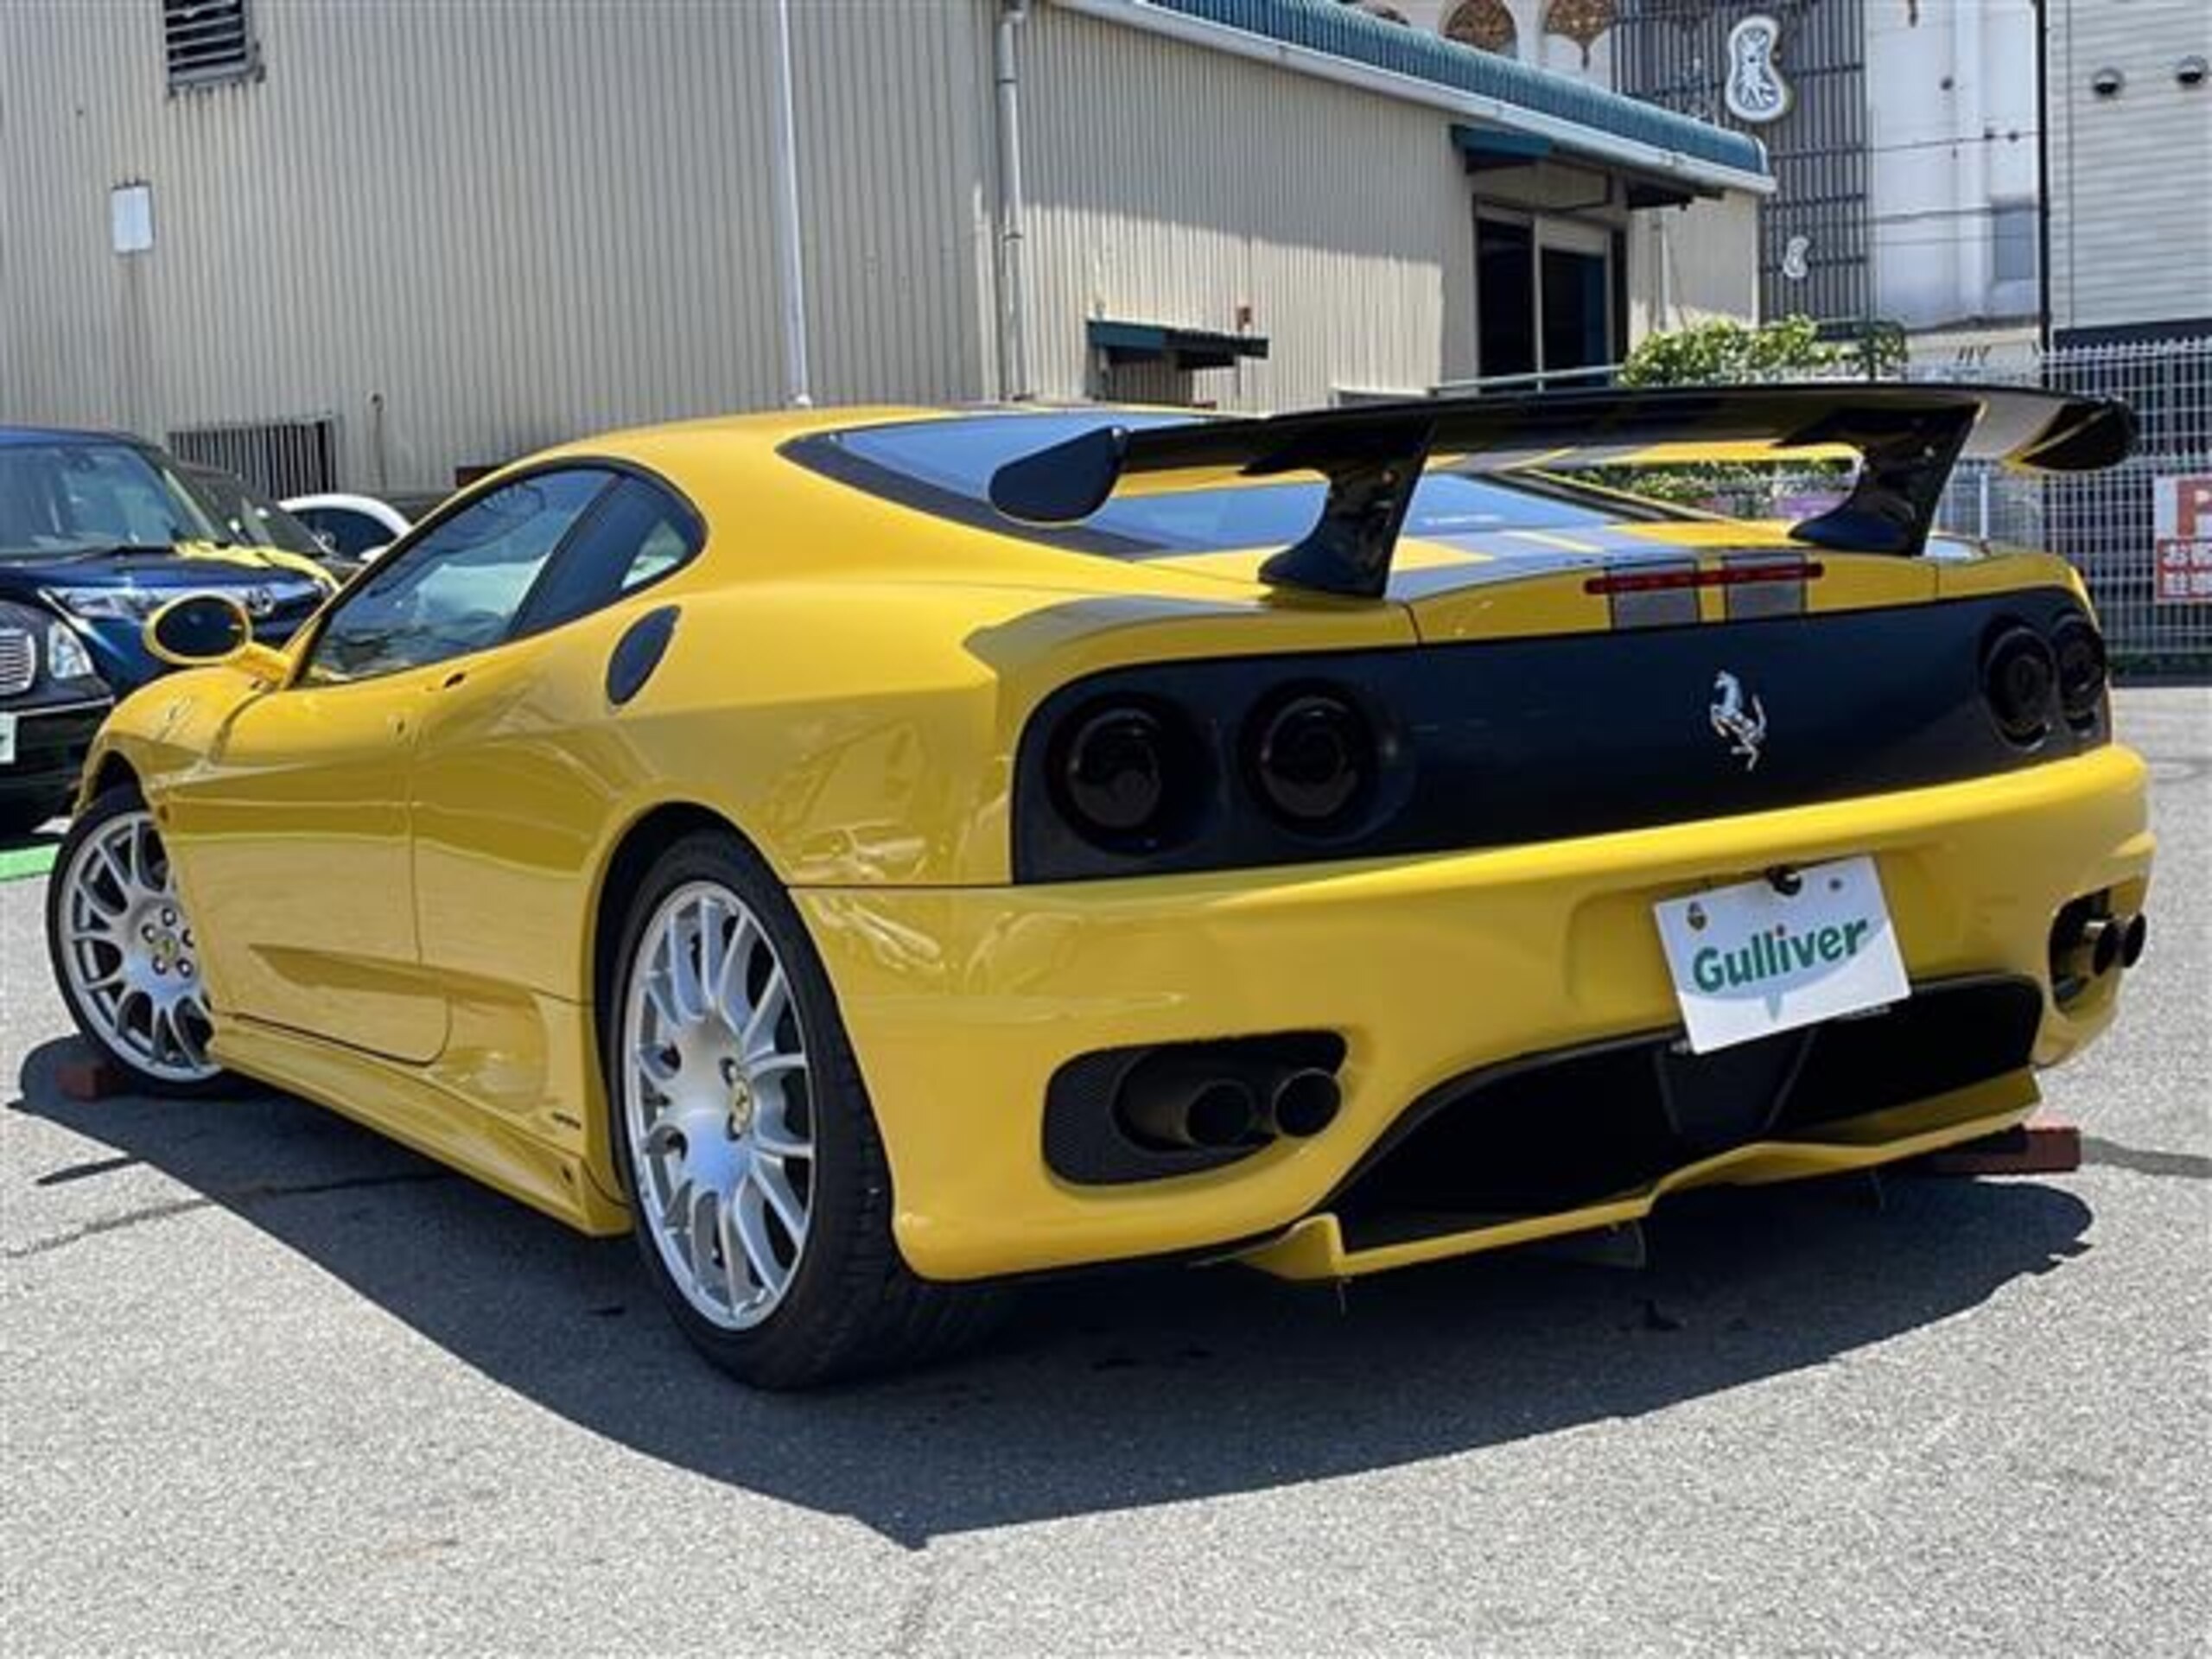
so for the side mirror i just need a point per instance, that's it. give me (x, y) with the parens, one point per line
(205, 630)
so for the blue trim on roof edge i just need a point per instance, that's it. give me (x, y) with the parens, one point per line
(1346, 32)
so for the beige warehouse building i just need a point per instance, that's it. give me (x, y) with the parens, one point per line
(367, 245)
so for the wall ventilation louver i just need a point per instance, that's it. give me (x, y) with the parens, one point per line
(206, 42)
(278, 458)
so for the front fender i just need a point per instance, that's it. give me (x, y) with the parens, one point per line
(164, 731)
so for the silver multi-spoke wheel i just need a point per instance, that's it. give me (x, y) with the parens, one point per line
(127, 948)
(716, 1105)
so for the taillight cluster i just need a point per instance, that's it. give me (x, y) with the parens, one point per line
(1127, 775)
(1298, 765)
(1246, 761)
(2031, 677)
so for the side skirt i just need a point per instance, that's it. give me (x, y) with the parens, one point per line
(408, 1104)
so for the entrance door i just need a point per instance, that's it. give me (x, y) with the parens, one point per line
(1575, 295)
(1543, 297)
(1505, 295)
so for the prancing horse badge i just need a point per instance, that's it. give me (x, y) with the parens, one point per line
(1744, 727)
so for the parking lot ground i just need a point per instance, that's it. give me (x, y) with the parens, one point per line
(269, 1383)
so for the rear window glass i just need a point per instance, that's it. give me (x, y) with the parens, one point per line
(945, 468)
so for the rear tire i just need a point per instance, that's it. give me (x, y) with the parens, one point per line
(760, 1197)
(123, 951)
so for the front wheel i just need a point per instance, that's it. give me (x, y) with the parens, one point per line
(125, 952)
(759, 1193)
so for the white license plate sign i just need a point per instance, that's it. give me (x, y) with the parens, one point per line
(7, 739)
(1750, 960)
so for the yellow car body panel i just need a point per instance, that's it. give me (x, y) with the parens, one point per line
(404, 877)
(1490, 954)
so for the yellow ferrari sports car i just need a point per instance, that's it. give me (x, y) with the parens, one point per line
(872, 854)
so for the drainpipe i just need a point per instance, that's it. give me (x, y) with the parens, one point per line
(791, 269)
(1013, 306)
(2043, 172)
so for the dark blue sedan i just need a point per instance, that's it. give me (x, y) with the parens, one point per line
(97, 532)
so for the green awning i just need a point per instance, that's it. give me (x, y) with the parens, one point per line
(1180, 348)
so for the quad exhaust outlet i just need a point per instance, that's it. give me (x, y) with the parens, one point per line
(1192, 1099)
(2088, 942)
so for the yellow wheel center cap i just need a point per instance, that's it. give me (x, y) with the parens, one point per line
(740, 1108)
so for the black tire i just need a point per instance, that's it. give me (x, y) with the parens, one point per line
(852, 1306)
(106, 807)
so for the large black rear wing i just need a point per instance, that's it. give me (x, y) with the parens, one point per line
(1906, 439)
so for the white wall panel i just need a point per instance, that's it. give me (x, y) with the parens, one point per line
(1170, 184)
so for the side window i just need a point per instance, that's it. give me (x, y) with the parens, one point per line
(638, 533)
(346, 531)
(460, 587)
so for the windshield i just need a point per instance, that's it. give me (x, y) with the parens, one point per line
(945, 468)
(73, 495)
(245, 516)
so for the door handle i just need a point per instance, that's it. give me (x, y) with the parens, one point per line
(453, 679)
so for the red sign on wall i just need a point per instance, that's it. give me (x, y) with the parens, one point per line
(2182, 538)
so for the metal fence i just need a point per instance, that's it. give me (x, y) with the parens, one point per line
(2154, 597)
(2153, 606)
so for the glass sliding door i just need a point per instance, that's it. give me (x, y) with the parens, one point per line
(1505, 295)
(1544, 298)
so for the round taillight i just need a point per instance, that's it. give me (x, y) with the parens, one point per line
(1123, 772)
(2079, 652)
(2019, 673)
(1313, 759)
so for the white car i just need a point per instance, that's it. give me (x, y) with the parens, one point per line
(355, 526)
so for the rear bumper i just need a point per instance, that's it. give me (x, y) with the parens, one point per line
(963, 1003)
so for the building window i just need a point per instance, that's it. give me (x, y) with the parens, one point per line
(207, 41)
(1581, 22)
(2013, 242)
(1486, 25)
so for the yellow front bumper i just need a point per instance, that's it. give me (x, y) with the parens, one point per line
(961, 1003)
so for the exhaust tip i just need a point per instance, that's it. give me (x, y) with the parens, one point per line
(1221, 1114)
(2102, 936)
(2133, 936)
(1305, 1102)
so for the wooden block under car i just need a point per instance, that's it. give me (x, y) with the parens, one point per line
(88, 1076)
(2045, 1145)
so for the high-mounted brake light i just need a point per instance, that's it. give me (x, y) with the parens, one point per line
(1727, 575)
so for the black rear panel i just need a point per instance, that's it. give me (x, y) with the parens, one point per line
(1492, 744)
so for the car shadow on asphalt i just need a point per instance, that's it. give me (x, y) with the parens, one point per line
(1105, 1391)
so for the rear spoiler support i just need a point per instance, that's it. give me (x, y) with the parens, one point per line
(1907, 437)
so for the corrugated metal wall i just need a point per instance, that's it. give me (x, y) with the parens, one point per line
(464, 230)
(1168, 184)
(509, 223)
(1690, 265)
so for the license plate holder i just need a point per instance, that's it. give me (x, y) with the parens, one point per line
(1756, 957)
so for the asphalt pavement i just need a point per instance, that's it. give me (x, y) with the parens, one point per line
(270, 1384)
